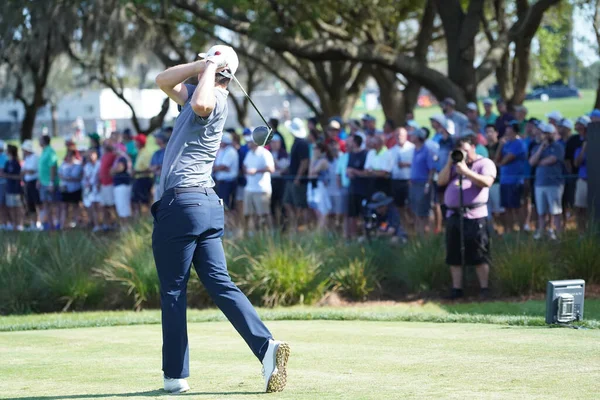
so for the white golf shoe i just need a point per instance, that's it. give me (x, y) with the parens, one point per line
(274, 366)
(176, 385)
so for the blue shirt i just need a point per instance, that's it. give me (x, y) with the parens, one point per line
(3, 160)
(157, 160)
(71, 171)
(512, 173)
(527, 171)
(422, 163)
(446, 147)
(550, 175)
(358, 185)
(13, 186)
(583, 167)
(193, 146)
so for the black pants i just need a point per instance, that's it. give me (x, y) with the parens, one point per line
(477, 241)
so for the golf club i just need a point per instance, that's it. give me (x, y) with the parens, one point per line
(261, 135)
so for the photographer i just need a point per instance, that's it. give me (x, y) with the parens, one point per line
(478, 175)
(382, 219)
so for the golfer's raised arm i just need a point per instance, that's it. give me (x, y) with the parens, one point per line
(171, 80)
(203, 100)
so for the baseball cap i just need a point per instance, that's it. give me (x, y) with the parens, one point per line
(583, 120)
(555, 115)
(227, 138)
(247, 132)
(413, 124)
(27, 146)
(449, 101)
(440, 119)
(488, 102)
(140, 139)
(161, 136)
(472, 106)
(420, 133)
(333, 124)
(94, 136)
(534, 121)
(546, 127)
(594, 114)
(368, 117)
(230, 55)
(566, 123)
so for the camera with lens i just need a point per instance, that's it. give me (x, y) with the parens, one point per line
(458, 155)
(370, 219)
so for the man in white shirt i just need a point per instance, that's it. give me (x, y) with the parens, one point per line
(30, 177)
(258, 167)
(378, 166)
(226, 170)
(401, 155)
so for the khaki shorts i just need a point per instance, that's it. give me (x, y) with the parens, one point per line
(257, 203)
(581, 194)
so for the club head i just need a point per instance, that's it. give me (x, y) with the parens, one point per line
(262, 135)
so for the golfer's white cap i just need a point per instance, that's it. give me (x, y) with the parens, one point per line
(230, 56)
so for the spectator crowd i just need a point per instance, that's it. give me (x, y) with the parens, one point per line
(327, 180)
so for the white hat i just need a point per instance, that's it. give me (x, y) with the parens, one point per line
(555, 115)
(296, 128)
(230, 56)
(488, 102)
(2, 145)
(472, 106)
(227, 138)
(547, 128)
(584, 120)
(440, 119)
(27, 146)
(334, 125)
(566, 123)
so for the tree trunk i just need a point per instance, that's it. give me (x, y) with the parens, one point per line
(391, 97)
(54, 116)
(28, 122)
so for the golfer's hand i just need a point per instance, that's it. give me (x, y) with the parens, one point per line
(219, 61)
(462, 168)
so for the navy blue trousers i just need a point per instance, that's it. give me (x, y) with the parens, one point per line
(188, 226)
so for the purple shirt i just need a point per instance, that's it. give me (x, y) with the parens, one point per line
(472, 194)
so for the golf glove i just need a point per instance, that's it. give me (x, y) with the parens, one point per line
(219, 60)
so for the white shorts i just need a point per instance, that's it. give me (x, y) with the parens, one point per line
(257, 203)
(494, 206)
(548, 199)
(581, 194)
(123, 200)
(90, 197)
(107, 195)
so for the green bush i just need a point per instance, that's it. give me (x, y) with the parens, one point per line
(522, 266)
(130, 264)
(42, 272)
(284, 273)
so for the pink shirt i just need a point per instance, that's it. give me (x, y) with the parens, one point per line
(472, 194)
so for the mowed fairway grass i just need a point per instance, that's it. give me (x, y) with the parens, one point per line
(351, 359)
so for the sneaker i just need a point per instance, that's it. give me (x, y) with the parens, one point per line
(274, 366)
(97, 229)
(537, 235)
(527, 228)
(175, 385)
(552, 235)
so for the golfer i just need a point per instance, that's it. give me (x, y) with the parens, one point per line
(189, 219)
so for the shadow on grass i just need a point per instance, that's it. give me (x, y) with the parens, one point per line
(151, 393)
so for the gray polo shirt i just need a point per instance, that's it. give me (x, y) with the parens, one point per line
(193, 145)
